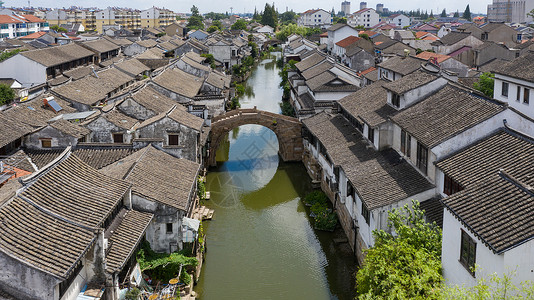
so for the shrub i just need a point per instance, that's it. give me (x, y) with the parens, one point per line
(326, 220)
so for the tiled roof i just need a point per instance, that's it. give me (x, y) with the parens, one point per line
(179, 114)
(5, 19)
(101, 45)
(195, 64)
(498, 210)
(32, 36)
(433, 210)
(76, 192)
(152, 53)
(427, 55)
(336, 27)
(452, 38)
(168, 46)
(33, 19)
(521, 68)
(125, 239)
(448, 112)
(147, 43)
(80, 72)
(171, 179)
(179, 82)
(90, 89)
(369, 104)
(344, 43)
(410, 82)
(70, 129)
(133, 67)
(310, 61)
(218, 80)
(40, 239)
(318, 69)
(372, 75)
(119, 119)
(323, 83)
(53, 56)
(96, 157)
(401, 64)
(153, 100)
(380, 178)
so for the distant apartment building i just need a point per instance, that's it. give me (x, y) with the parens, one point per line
(366, 17)
(155, 17)
(14, 25)
(315, 18)
(345, 7)
(510, 11)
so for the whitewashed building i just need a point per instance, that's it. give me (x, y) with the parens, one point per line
(367, 17)
(315, 18)
(337, 33)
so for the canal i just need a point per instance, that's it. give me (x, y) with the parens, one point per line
(261, 243)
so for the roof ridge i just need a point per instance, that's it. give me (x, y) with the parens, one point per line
(26, 182)
(135, 164)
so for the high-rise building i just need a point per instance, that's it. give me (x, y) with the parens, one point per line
(363, 5)
(345, 7)
(380, 8)
(510, 11)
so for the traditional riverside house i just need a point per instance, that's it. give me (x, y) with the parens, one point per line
(95, 89)
(447, 120)
(191, 45)
(191, 63)
(298, 46)
(364, 184)
(25, 118)
(139, 47)
(490, 51)
(225, 51)
(162, 185)
(73, 235)
(337, 33)
(514, 83)
(121, 42)
(57, 134)
(177, 85)
(319, 83)
(179, 132)
(35, 67)
(104, 50)
(112, 127)
(145, 103)
(488, 222)
(397, 67)
(134, 68)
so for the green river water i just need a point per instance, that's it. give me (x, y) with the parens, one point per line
(261, 243)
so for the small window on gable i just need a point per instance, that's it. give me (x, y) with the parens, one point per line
(518, 98)
(526, 96)
(504, 90)
(350, 189)
(46, 143)
(371, 135)
(169, 228)
(173, 139)
(118, 138)
(422, 158)
(450, 186)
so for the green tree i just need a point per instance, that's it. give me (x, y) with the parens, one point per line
(7, 54)
(256, 16)
(214, 16)
(485, 84)
(195, 20)
(406, 265)
(431, 14)
(218, 24)
(6, 94)
(456, 14)
(212, 29)
(467, 13)
(288, 17)
(240, 24)
(443, 13)
(270, 16)
(342, 20)
(56, 28)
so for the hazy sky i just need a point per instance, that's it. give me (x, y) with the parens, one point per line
(248, 5)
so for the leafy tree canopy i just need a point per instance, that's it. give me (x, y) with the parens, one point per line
(196, 20)
(270, 16)
(6, 94)
(485, 84)
(240, 24)
(404, 266)
(467, 13)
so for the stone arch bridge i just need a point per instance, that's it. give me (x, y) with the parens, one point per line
(288, 130)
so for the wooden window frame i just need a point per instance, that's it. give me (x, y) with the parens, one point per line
(450, 186)
(468, 252)
(174, 136)
(395, 100)
(504, 91)
(46, 140)
(422, 160)
(526, 96)
(366, 213)
(114, 134)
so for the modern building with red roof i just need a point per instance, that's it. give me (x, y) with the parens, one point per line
(13, 26)
(315, 18)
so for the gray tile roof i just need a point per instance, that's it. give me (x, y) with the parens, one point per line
(318, 69)
(133, 67)
(119, 119)
(402, 65)
(369, 104)
(53, 56)
(147, 43)
(153, 100)
(70, 129)
(171, 179)
(179, 82)
(433, 210)
(80, 72)
(380, 178)
(330, 82)
(410, 82)
(101, 45)
(452, 38)
(310, 61)
(179, 114)
(446, 113)
(520, 68)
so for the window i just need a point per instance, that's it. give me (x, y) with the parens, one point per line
(422, 158)
(371, 135)
(468, 249)
(518, 98)
(406, 143)
(504, 90)
(118, 138)
(46, 143)
(169, 228)
(395, 99)
(403, 141)
(526, 96)
(173, 139)
(365, 213)
(350, 189)
(450, 186)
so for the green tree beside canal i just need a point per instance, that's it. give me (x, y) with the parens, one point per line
(405, 266)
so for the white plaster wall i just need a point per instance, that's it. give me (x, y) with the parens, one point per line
(330, 96)
(415, 95)
(521, 260)
(527, 109)
(24, 70)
